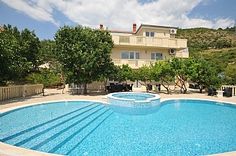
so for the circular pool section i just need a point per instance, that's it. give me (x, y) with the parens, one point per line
(134, 103)
(179, 127)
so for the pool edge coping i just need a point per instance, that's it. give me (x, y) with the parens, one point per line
(15, 150)
(44, 102)
(156, 97)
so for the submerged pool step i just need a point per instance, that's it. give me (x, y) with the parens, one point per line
(28, 126)
(53, 133)
(71, 143)
(24, 136)
(44, 142)
(13, 135)
(34, 134)
(28, 139)
(57, 140)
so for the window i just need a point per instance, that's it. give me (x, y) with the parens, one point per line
(137, 55)
(150, 34)
(129, 55)
(156, 56)
(125, 55)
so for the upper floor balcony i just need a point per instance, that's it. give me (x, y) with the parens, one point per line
(134, 63)
(149, 41)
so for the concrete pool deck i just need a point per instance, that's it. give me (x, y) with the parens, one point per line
(55, 95)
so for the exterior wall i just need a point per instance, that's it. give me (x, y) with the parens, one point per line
(163, 33)
(182, 53)
(144, 56)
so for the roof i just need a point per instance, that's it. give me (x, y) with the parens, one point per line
(117, 31)
(142, 25)
(155, 26)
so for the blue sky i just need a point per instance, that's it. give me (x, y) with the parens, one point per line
(46, 16)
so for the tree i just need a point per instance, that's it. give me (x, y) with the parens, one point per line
(109, 74)
(180, 66)
(230, 74)
(8, 47)
(144, 74)
(29, 49)
(203, 73)
(163, 72)
(84, 53)
(46, 52)
(18, 53)
(46, 77)
(123, 73)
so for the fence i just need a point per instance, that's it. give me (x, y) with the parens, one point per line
(95, 86)
(230, 86)
(19, 91)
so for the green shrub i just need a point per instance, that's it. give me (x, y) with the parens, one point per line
(46, 77)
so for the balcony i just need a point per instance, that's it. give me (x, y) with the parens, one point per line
(133, 63)
(149, 41)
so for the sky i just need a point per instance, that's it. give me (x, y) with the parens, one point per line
(45, 17)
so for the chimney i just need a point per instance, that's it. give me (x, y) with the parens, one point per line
(134, 27)
(101, 26)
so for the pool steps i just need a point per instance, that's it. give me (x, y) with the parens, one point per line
(47, 136)
(10, 136)
(51, 127)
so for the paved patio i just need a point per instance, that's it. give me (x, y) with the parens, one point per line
(54, 94)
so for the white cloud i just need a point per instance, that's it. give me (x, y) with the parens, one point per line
(32, 10)
(118, 14)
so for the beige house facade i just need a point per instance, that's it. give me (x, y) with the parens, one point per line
(147, 44)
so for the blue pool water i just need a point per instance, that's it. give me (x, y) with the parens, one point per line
(179, 127)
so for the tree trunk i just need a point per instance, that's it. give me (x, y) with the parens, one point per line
(200, 88)
(84, 89)
(184, 88)
(166, 87)
(43, 91)
(105, 84)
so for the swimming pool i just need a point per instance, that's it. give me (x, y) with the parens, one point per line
(179, 127)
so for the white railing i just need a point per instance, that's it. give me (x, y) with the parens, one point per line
(19, 91)
(134, 63)
(150, 41)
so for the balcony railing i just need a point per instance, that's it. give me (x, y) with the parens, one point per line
(134, 63)
(149, 41)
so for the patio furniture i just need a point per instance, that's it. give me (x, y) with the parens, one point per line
(118, 87)
(212, 92)
(227, 92)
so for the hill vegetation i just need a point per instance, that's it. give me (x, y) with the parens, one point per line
(200, 39)
(216, 46)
